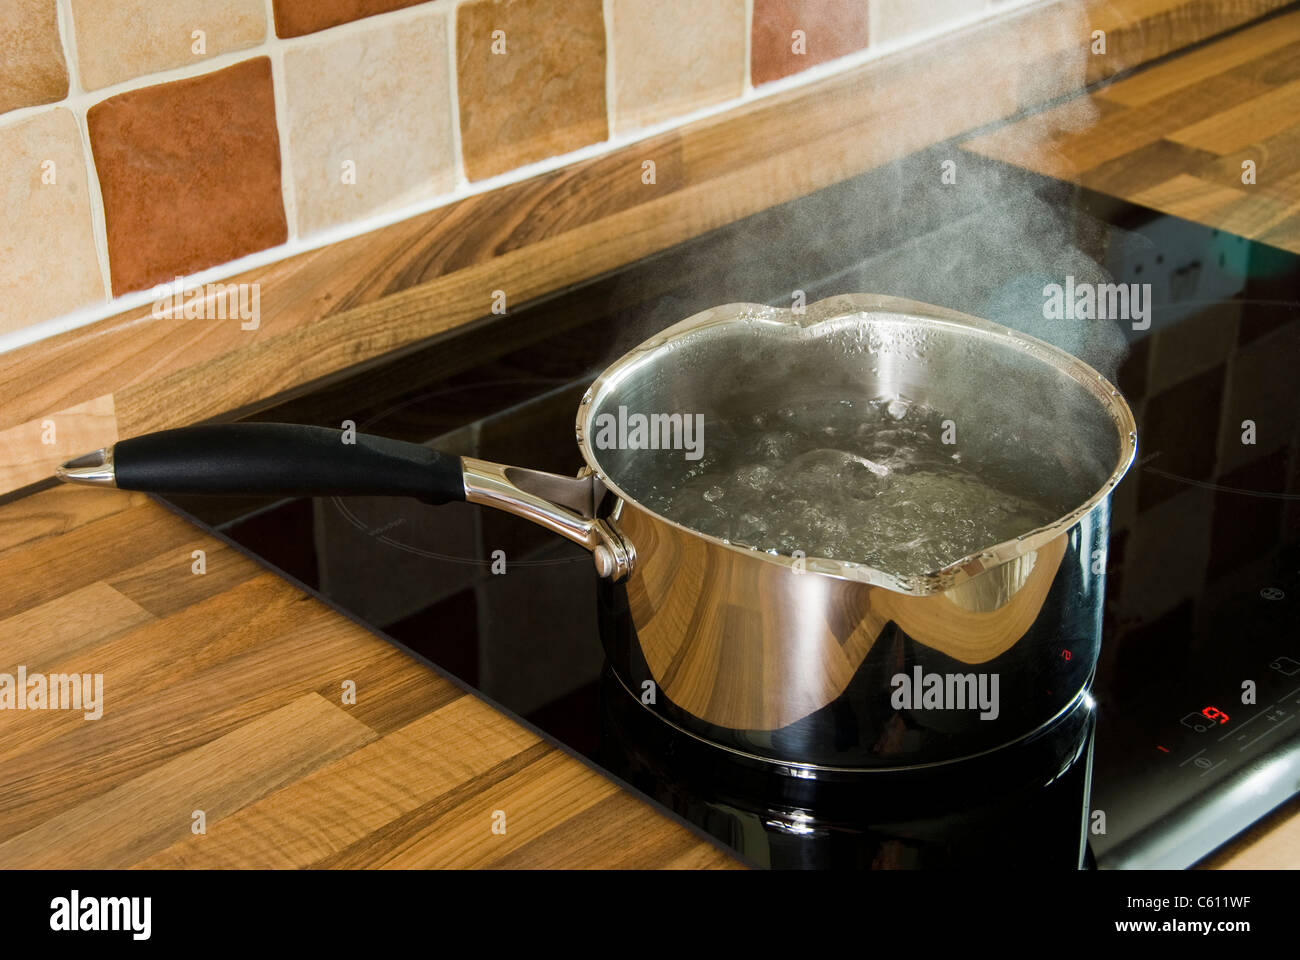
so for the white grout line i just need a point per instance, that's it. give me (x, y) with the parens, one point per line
(98, 227)
(611, 92)
(274, 48)
(81, 100)
(453, 87)
(747, 87)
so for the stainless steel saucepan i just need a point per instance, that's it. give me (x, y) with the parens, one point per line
(801, 661)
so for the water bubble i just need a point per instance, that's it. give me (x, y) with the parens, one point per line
(897, 408)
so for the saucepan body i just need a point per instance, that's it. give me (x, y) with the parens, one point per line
(805, 660)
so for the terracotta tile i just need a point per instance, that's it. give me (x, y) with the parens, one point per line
(293, 18)
(380, 99)
(672, 56)
(32, 69)
(893, 19)
(48, 264)
(121, 39)
(544, 95)
(831, 28)
(189, 172)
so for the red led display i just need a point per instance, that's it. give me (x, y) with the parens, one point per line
(1214, 713)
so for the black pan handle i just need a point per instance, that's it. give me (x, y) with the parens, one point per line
(274, 459)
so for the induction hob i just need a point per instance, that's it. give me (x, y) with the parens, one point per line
(1196, 699)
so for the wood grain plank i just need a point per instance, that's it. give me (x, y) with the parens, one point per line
(1276, 158)
(30, 451)
(1281, 66)
(167, 583)
(49, 568)
(1252, 120)
(50, 633)
(610, 831)
(340, 804)
(1053, 142)
(1243, 211)
(1262, 210)
(196, 676)
(393, 690)
(153, 810)
(1197, 198)
(537, 790)
(1137, 33)
(57, 511)
(1284, 234)
(1247, 46)
(143, 664)
(1147, 167)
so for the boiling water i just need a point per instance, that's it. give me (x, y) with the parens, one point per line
(872, 483)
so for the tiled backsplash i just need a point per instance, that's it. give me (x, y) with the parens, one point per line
(141, 141)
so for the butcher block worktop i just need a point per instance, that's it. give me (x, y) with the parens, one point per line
(223, 693)
(224, 690)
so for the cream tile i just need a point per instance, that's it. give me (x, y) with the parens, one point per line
(673, 56)
(48, 263)
(121, 39)
(894, 19)
(379, 99)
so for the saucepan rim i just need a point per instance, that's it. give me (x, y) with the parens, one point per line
(839, 308)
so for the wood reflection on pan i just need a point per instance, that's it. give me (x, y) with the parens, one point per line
(756, 646)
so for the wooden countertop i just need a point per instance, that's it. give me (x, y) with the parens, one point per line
(223, 693)
(1175, 136)
(224, 689)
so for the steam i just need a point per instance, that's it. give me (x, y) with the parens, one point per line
(995, 263)
(986, 245)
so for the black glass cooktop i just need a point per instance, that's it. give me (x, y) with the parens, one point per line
(1198, 690)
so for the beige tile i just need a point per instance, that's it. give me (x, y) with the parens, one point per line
(32, 70)
(530, 80)
(673, 56)
(121, 39)
(379, 99)
(48, 263)
(894, 19)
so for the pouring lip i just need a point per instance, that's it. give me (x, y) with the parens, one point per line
(836, 308)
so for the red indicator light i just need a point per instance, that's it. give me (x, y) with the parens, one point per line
(1214, 713)
(1065, 654)
(1162, 749)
